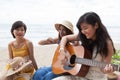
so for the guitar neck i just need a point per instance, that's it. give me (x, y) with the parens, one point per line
(94, 63)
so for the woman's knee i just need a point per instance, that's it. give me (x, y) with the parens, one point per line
(37, 75)
(40, 73)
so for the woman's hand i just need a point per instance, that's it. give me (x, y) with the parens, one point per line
(51, 40)
(108, 69)
(63, 57)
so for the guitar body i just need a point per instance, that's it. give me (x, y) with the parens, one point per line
(59, 67)
(85, 68)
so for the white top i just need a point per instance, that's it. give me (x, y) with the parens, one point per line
(95, 73)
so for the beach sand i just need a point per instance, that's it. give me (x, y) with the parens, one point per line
(43, 55)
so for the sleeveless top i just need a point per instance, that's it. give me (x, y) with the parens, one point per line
(22, 52)
(95, 73)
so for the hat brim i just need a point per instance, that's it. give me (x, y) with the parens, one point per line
(57, 26)
(25, 65)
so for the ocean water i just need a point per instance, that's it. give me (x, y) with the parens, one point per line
(37, 32)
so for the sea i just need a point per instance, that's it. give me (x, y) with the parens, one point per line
(37, 32)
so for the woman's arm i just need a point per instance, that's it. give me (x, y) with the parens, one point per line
(68, 38)
(48, 41)
(64, 40)
(108, 68)
(110, 52)
(10, 51)
(31, 52)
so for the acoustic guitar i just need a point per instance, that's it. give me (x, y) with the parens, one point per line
(59, 67)
(77, 62)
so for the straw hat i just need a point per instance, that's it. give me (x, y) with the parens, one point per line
(65, 23)
(17, 64)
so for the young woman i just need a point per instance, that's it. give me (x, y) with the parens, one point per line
(95, 38)
(21, 47)
(64, 28)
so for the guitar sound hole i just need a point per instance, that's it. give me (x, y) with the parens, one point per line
(72, 59)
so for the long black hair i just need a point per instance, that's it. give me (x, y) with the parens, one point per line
(101, 33)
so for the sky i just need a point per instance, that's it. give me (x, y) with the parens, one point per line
(51, 11)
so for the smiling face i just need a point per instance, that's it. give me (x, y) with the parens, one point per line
(18, 29)
(89, 31)
(62, 31)
(19, 32)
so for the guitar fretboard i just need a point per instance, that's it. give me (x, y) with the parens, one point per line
(94, 63)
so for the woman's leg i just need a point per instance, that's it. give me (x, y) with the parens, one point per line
(40, 73)
(50, 76)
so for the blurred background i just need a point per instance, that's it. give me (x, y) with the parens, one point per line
(41, 15)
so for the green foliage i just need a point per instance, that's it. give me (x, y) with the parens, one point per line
(116, 55)
(116, 58)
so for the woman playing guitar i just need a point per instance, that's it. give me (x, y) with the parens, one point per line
(64, 28)
(94, 37)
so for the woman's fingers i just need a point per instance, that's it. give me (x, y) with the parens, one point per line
(108, 68)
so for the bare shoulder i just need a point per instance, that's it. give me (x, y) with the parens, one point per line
(109, 43)
(9, 44)
(110, 46)
(29, 43)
